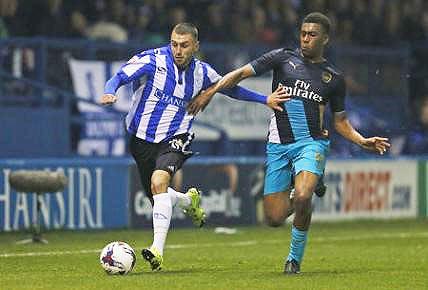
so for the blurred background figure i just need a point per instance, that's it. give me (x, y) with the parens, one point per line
(416, 142)
(7, 12)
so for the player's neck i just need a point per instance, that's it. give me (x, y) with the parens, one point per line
(314, 59)
(317, 59)
(183, 66)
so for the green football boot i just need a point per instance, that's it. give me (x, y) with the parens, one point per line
(152, 256)
(194, 210)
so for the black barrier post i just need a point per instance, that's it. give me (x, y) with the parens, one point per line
(39, 182)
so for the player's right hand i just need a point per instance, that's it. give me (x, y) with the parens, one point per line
(198, 103)
(278, 97)
(376, 144)
(108, 99)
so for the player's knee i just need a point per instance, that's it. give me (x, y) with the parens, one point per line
(302, 197)
(302, 203)
(274, 220)
(159, 183)
(274, 223)
(158, 187)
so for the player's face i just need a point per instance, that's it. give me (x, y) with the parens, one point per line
(312, 40)
(183, 47)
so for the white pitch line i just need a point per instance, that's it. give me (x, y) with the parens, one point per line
(52, 253)
(231, 244)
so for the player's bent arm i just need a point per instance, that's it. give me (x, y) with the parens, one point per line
(113, 84)
(135, 68)
(344, 128)
(110, 89)
(227, 85)
(376, 144)
(232, 78)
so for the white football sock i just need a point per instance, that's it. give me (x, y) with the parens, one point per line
(182, 199)
(162, 212)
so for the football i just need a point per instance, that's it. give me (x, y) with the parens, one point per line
(117, 258)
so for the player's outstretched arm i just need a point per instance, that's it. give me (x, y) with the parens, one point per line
(344, 128)
(228, 81)
(273, 101)
(110, 89)
(134, 69)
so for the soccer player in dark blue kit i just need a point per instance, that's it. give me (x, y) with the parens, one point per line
(296, 142)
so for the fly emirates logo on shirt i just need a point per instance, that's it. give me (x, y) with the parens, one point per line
(302, 89)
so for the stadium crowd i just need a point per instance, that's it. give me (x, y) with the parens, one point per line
(375, 22)
(271, 23)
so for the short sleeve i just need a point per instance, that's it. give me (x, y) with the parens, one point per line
(137, 66)
(267, 61)
(337, 99)
(210, 76)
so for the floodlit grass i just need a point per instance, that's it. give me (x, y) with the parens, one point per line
(348, 255)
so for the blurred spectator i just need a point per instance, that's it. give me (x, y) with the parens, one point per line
(78, 25)
(177, 15)
(343, 10)
(216, 25)
(316, 5)
(57, 15)
(411, 26)
(364, 25)
(117, 9)
(7, 12)
(391, 34)
(141, 30)
(106, 29)
(289, 29)
(424, 25)
(263, 33)
(417, 138)
(50, 20)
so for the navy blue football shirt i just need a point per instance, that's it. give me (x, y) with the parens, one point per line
(310, 85)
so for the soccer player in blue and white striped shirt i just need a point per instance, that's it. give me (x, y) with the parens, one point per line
(165, 80)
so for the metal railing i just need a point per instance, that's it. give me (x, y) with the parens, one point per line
(34, 73)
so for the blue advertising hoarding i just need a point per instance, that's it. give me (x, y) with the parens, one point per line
(230, 191)
(95, 197)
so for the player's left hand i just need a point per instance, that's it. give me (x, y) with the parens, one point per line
(377, 144)
(278, 97)
(108, 99)
(198, 103)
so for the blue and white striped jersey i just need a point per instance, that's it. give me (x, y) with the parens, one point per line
(161, 93)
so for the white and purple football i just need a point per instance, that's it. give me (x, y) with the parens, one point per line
(117, 258)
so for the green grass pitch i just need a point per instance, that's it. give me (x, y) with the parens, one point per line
(347, 255)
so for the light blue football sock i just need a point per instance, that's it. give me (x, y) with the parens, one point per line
(297, 244)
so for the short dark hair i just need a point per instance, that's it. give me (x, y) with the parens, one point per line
(186, 28)
(321, 19)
